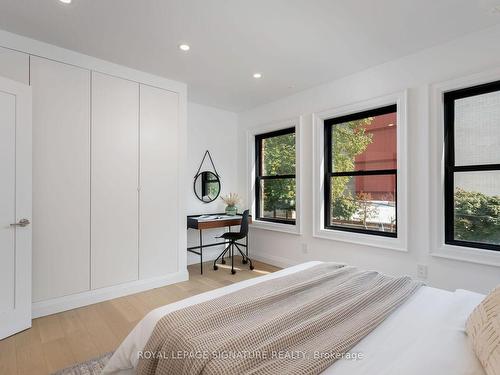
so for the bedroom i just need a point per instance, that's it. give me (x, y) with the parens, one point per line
(108, 109)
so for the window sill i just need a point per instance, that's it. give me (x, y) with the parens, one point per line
(278, 227)
(389, 243)
(467, 254)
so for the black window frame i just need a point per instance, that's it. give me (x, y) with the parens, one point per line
(450, 168)
(328, 172)
(258, 173)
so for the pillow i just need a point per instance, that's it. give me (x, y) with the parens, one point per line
(483, 327)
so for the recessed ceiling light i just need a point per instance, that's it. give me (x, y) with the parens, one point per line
(184, 47)
(65, 1)
(257, 75)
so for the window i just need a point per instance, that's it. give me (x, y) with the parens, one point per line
(275, 183)
(361, 172)
(472, 166)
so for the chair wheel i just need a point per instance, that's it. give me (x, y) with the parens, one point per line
(223, 261)
(216, 268)
(251, 268)
(233, 272)
(244, 261)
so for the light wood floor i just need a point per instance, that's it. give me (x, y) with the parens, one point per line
(61, 340)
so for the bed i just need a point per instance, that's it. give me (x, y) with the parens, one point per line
(424, 335)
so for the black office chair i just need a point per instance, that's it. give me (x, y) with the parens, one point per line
(233, 237)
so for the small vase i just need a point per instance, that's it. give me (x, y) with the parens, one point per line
(231, 210)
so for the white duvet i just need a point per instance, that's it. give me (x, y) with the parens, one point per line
(424, 336)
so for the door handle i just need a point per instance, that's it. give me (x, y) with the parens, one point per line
(21, 223)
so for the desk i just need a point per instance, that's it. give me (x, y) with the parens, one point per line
(213, 221)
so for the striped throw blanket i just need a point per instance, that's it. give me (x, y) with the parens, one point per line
(296, 324)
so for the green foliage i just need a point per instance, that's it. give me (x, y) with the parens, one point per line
(278, 156)
(477, 217)
(348, 141)
(343, 207)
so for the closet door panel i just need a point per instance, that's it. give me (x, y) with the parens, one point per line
(61, 179)
(159, 182)
(115, 158)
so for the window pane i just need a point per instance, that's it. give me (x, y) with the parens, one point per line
(367, 144)
(477, 207)
(278, 155)
(277, 199)
(477, 129)
(364, 202)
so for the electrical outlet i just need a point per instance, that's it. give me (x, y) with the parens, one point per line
(422, 271)
(304, 248)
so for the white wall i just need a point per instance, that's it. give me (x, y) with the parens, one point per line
(470, 54)
(215, 130)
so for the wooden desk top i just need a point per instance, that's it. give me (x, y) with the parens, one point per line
(193, 223)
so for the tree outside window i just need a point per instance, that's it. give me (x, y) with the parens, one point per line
(276, 182)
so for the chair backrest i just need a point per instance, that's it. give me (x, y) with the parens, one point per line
(244, 223)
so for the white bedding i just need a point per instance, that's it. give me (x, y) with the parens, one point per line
(424, 336)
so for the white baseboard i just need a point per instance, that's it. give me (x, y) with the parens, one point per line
(274, 260)
(74, 301)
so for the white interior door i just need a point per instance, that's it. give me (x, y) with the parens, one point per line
(15, 207)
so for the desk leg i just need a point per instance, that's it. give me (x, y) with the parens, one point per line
(201, 252)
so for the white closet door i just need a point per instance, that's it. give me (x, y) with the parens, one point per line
(159, 177)
(61, 179)
(115, 159)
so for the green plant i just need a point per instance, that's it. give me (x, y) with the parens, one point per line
(349, 140)
(477, 217)
(278, 155)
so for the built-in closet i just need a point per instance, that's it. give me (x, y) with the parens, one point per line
(106, 153)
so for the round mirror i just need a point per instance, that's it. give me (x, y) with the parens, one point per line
(207, 186)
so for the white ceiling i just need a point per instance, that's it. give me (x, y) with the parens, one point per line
(296, 44)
